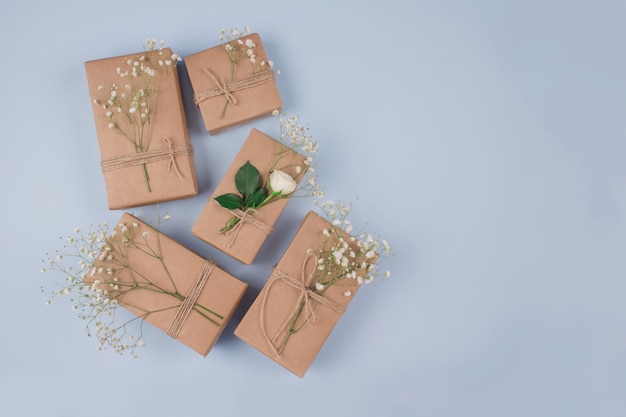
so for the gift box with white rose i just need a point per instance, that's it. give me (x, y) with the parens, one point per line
(145, 150)
(251, 196)
(165, 284)
(233, 83)
(306, 294)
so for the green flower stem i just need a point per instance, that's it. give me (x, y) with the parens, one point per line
(233, 71)
(231, 223)
(198, 308)
(292, 327)
(269, 197)
(146, 249)
(235, 220)
(224, 110)
(147, 177)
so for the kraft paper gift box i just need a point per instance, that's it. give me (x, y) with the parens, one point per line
(152, 161)
(288, 291)
(245, 240)
(176, 290)
(228, 97)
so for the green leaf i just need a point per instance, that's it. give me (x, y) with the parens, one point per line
(230, 201)
(247, 179)
(256, 198)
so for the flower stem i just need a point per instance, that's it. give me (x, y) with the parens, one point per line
(292, 327)
(233, 69)
(269, 197)
(231, 223)
(147, 177)
(224, 110)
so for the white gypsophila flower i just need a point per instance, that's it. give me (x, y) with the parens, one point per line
(319, 286)
(347, 293)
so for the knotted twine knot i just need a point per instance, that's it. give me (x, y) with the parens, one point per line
(228, 88)
(245, 217)
(307, 299)
(186, 306)
(169, 152)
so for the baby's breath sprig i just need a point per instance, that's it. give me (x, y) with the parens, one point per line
(343, 258)
(98, 275)
(239, 49)
(256, 191)
(297, 138)
(129, 104)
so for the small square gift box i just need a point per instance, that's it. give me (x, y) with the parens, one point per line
(233, 83)
(145, 149)
(165, 284)
(251, 196)
(306, 294)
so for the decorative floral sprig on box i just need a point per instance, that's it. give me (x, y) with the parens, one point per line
(256, 191)
(130, 103)
(341, 259)
(240, 50)
(233, 82)
(311, 286)
(135, 266)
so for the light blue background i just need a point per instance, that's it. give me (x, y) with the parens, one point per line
(484, 140)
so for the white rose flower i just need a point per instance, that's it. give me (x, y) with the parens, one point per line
(281, 181)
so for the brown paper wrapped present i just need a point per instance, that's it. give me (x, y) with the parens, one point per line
(291, 318)
(245, 240)
(145, 149)
(169, 286)
(228, 88)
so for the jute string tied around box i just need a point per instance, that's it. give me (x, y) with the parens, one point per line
(168, 152)
(228, 88)
(306, 295)
(245, 217)
(186, 306)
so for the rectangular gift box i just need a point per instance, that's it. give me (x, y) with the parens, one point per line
(265, 325)
(225, 97)
(245, 240)
(163, 170)
(160, 267)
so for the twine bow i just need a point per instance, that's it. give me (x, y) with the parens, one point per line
(307, 298)
(190, 300)
(228, 88)
(172, 161)
(245, 217)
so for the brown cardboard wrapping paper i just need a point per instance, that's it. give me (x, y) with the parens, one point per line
(211, 65)
(244, 243)
(221, 292)
(265, 321)
(171, 177)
